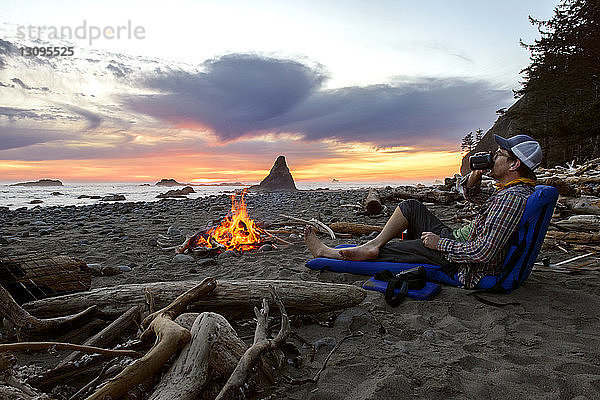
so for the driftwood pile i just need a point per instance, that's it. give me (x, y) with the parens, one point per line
(195, 354)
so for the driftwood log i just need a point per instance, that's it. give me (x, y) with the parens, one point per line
(424, 194)
(229, 298)
(373, 204)
(574, 237)
(213, 351)
(581, 223)
(22, 322)
(109, 334)
(171, 337)
(582, 205)
(261, 344)
(354, 228)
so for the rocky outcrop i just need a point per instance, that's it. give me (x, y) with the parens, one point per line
(177, 193)
(559, 145)
(168, 182)
(41, 182)
(279, 179)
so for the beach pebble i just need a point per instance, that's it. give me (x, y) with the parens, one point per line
(227, 254)
(429, 334)
(183, 258)
(173, 231)
(113, 197)
(206, 262)
(294, 236)
(95, 269)
(124, 268)
(353, 319)
(327, 342)
(36, 201)
(84, 242)
(25, 234)
(110, 270)
(152, 242)
(265, 247)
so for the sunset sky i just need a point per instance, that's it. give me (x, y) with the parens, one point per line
(211, 91)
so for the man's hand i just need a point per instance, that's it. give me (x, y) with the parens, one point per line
(475, 178)
(430, 240)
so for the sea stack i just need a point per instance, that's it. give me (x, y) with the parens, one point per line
(279, 179)
(168, 182)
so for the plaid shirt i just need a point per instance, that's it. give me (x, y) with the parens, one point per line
(485, 249)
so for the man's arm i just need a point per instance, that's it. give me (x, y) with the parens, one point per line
(470, 187)
(503, 217)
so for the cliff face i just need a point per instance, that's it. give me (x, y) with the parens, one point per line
(561, 142)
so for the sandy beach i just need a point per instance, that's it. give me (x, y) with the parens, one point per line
(453, 346)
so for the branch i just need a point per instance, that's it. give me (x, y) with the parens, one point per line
(261, 345)
(38, 346)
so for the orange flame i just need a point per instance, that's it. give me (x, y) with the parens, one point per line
(237, 231)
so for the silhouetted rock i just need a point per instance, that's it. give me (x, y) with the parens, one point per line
(113, 197)
(168, 182)
(176, 193)
(41, 182)
(279, 179)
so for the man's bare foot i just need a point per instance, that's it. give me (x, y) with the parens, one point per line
(316, 247)
(360, 253)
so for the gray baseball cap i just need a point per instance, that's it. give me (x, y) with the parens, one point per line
(524, 147)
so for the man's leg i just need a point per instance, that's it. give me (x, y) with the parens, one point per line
(394, 227)
(368, 251)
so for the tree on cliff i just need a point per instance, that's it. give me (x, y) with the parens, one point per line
(565, 60)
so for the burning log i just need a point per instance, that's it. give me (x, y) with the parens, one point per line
(237, 231)
(229, 298)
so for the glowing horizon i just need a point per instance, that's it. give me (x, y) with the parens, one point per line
(412, 167)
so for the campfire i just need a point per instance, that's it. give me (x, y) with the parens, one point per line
(236, 231)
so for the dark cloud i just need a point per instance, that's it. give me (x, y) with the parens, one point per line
(13, 138)
(94, 120)
(236, 95)
(247, 95)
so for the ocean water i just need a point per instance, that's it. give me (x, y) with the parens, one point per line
(15, 197)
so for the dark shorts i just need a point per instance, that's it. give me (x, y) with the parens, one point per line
(411, 249)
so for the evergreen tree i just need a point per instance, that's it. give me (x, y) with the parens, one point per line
(468, 143)
(478, 136)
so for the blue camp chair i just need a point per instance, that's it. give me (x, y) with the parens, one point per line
(524, 247)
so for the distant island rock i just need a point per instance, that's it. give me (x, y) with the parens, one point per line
(177, 193)
(41, 182)
(279, 179)
(168, 182)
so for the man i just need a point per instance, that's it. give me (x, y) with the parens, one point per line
(473, 251)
